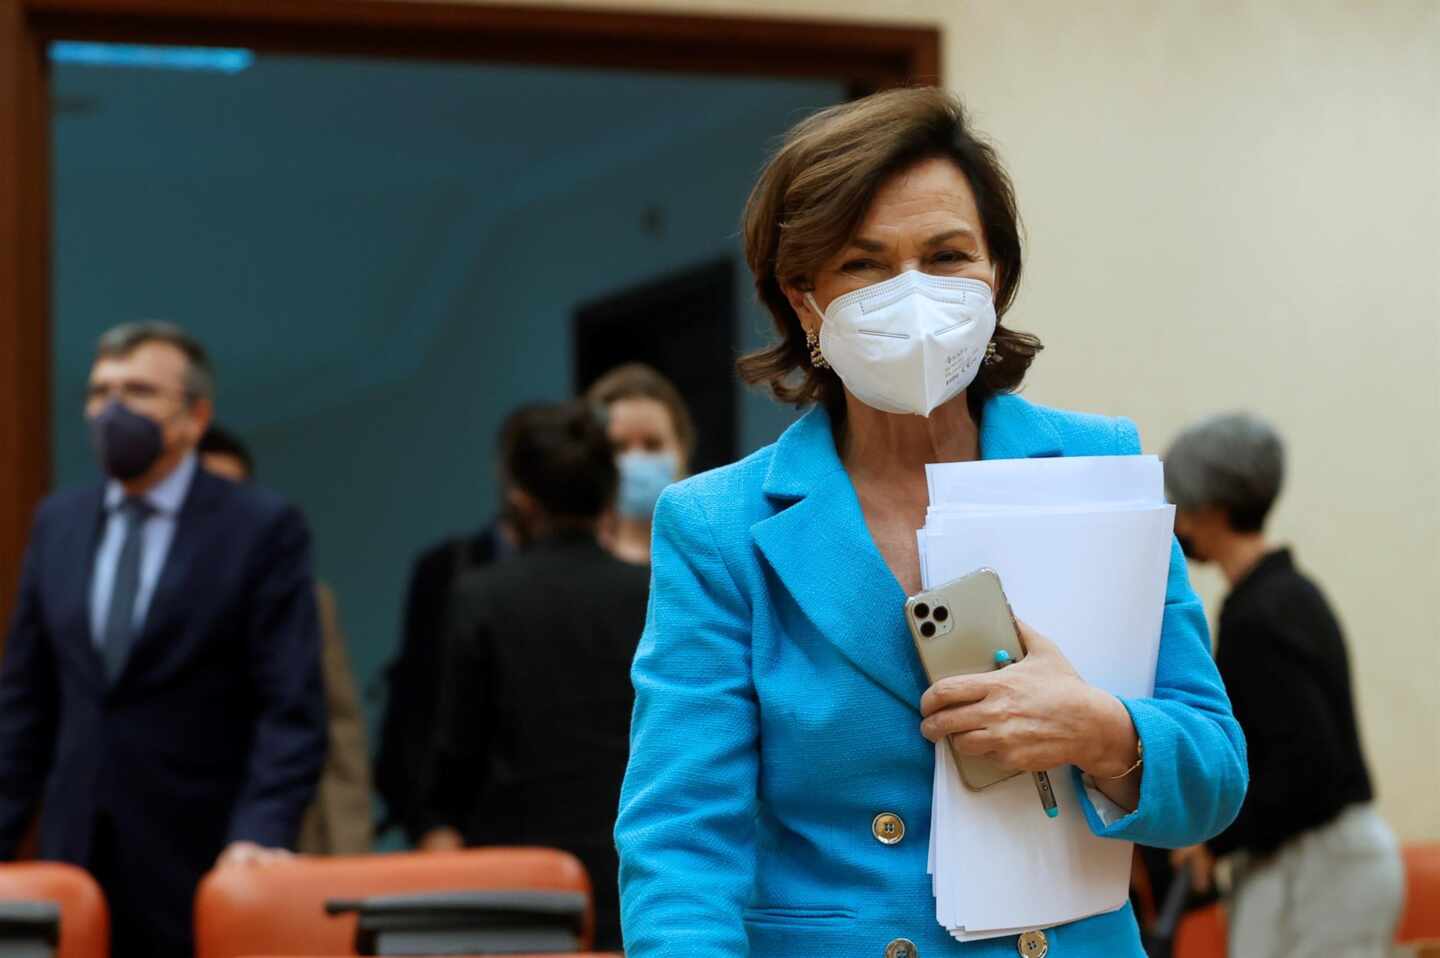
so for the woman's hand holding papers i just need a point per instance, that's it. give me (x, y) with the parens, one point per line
(1036, 715)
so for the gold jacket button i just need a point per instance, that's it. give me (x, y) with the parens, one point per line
(902, 948)
(888, 829)
(1032, 944)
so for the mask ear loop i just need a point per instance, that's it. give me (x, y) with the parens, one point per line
(810, 301)
(817, 358)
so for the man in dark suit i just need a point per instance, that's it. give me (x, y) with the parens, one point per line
(160, 694)
(534, 718)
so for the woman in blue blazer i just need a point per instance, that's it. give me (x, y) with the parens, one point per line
(783, 726)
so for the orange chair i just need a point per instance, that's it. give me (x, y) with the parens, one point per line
(1421, 918)
(84, 919)
(280, 909)
(1201, 934)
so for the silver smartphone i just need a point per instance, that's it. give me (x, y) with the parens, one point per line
(957, 629)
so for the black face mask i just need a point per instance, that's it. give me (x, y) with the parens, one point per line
(126, 443)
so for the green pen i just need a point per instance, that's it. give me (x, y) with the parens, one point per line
(1042, 779)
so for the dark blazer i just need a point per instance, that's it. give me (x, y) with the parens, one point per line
(1282, 655)
(215, 729)
(533, 730)
(407, 729)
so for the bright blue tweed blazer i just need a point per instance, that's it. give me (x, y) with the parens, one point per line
(777, 712)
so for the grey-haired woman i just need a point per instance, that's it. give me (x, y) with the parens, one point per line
(1317, 869)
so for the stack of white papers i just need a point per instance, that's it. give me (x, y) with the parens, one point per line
(1082, 547)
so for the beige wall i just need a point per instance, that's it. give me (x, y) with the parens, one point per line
(1237, 205)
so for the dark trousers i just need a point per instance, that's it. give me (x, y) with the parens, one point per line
(150, 915)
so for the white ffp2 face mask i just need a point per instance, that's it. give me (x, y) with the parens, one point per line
(911, 343)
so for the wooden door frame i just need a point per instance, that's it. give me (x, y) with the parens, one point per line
(866, 56)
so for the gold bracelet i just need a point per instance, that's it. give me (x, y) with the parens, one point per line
(1139, 760)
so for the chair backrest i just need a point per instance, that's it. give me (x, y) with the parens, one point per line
(280, 909)
(1201, 934)
(84, 919)
(1421, 919)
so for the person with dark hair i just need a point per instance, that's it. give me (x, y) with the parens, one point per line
(407, 727)
(1317, 870)
(782, 762)
(338, 821)
(532, 732)
(222, 453)
(653, 436)
(161, 683)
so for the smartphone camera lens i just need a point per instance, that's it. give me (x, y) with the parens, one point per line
(941, 613)
(927, 629)
(922, 611)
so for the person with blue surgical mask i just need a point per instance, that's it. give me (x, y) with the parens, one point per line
(654, 437)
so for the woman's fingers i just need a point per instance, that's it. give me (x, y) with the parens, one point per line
(1034, 642)
(955, 691)
(1042, 653)
(1030, 716)
(979, 742)
(957, 721)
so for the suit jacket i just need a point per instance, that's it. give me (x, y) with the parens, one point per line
(777, 712)
(214, 731)
(407, 730)
(339, 821)
(532, 734)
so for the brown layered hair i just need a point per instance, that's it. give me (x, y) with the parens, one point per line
(639, 381)
(814, 193)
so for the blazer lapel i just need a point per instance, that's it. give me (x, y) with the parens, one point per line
(819, 547)
(81, 539)
(821, 550)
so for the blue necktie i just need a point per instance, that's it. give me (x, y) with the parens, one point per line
(120, 617)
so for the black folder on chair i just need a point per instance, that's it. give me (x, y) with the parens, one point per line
(29, 929)
(467, 923)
